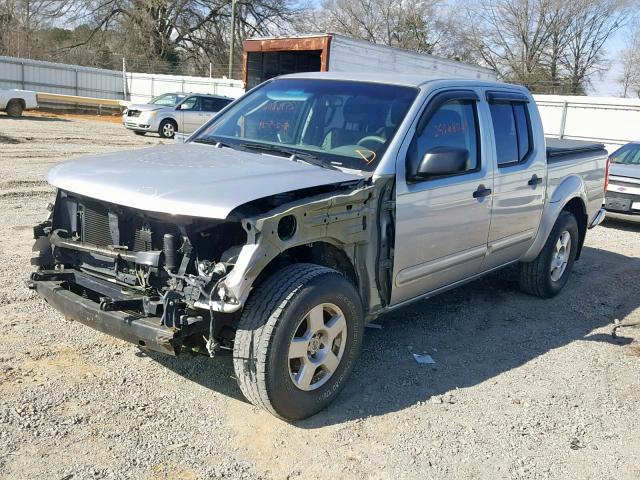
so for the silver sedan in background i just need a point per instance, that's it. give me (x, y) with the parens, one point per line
(173, 112)
(623, 193)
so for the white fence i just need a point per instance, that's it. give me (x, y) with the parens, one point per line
(612, 121)
(141, 87)
(100, 83)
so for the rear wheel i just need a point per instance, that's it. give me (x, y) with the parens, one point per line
(298, 340)
(168, 129)
(14, 108)
(546, 275)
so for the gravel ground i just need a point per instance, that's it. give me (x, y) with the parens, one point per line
(522, 388)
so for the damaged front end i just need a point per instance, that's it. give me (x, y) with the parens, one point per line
(166, 282)
(133, 274)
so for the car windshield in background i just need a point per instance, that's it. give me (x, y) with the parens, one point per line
(167, 100)
(339, 123)
(629, 154)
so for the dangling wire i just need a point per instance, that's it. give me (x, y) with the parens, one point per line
(212, 345)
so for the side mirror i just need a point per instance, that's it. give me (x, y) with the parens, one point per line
(441, 161)
(184, 106)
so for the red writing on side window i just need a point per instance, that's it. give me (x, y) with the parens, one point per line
(444, 129)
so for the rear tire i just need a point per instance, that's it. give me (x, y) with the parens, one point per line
(545, 276)
(14, 108)
(282, 362)
(168, 129)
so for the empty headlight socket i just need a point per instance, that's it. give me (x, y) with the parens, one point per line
(287, 227)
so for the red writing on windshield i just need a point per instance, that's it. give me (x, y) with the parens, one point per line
(279, 107)
(272, 124)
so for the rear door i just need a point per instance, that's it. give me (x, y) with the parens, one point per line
(442, 223)
(211, 106)
(519, 182)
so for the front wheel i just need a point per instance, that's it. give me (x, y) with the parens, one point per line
(298, 340)
(546, 275)
(167, 129)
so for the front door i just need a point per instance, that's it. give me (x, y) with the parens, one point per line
(189, 115)
(442, 221)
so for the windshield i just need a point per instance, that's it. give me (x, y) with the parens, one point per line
(629, 154)
(167, 100)
(339, 123)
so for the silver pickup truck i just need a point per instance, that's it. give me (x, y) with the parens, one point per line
(306, 208)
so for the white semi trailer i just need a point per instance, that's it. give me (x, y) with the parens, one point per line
(265, 58)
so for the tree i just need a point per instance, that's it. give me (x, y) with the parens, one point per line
(20, 20)
(630, 59)
(417, 25)
(592, 24)
(548, 45)
(513, 37)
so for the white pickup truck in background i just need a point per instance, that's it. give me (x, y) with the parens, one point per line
(14, 102)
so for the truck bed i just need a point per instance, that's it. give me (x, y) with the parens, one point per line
(558, 148)
(573, 158)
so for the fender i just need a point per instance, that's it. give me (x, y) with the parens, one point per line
(571, 187)
(343, 220)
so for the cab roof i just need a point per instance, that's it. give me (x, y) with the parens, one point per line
(406, 80)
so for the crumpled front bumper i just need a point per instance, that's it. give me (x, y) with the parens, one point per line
(143, 331)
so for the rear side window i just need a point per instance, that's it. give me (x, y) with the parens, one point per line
(511, 127)
(214, 104)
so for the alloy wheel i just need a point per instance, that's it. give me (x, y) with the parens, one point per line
(317, 347)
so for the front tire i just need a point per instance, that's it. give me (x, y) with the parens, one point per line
(14, 108)
(545, 276)
(168, 129)
(297, 341)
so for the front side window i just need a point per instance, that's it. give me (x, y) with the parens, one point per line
(190, 103)
(339, 123)
(454, 124)
(512, 132)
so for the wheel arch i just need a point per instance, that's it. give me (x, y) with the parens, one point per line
(320, 252)
(570, 195)
(168, 118)
(20, 101)
(578, 208)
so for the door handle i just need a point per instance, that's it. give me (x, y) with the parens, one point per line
(535, 180)
(481, 192)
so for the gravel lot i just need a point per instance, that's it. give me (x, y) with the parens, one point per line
(522, 388)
